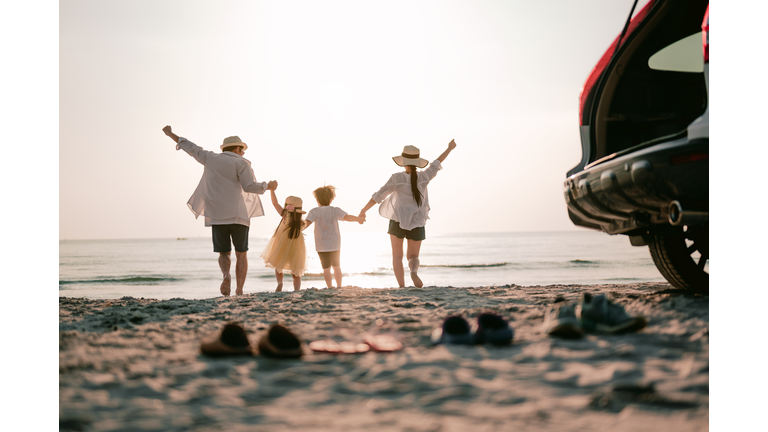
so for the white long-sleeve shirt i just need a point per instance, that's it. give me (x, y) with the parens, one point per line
(396, 199)
(227, 192)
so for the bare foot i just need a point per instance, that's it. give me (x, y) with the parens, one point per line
(225, 286)
(416, 280)
(279, 287)
(238, 291)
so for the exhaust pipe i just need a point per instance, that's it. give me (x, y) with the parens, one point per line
(678, 216)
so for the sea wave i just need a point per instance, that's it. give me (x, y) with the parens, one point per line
(579, 262)
(501, 264)
(320, 276)
(130, 280)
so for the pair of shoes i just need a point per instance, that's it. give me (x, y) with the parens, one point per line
(233, 340)
(331, 346)
(278, 342)
(600, 315)
(382, 338)
(343, 341)
(489, 328)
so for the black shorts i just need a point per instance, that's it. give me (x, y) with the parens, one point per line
(328, 259)
(417, 234)
(222, 234)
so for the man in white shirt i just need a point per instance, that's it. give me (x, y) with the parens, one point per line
(227, 197)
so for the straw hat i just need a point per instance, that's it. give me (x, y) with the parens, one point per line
(410, 156)
(294, 203)
(233, 141)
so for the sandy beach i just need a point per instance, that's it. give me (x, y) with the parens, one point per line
(135, 364)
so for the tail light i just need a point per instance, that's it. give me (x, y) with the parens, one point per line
(705, 35)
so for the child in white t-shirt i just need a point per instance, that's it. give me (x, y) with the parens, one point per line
(327, 235)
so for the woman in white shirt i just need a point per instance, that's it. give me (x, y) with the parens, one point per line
(405, 202)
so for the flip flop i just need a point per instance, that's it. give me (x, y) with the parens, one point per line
(493, 329)
(383, 342)
(342, 341)
(232, 340)
(383, 337)
(455, 330)
(330, 346)
(280, 342)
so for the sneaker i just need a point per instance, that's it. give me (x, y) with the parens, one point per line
(600, 315)
(455, 330)
(560, 321)
(493, 329)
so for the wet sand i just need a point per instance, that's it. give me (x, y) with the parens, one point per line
(135, 364)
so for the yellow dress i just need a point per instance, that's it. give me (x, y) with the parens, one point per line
(286, 255)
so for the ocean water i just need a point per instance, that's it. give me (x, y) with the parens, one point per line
(188, 268)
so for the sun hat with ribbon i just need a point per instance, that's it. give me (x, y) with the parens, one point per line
(233, 141)
(293, 204)
(410, 156)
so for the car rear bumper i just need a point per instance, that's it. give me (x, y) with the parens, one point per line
(635, 190)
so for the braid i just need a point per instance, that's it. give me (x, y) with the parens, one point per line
(415, 186)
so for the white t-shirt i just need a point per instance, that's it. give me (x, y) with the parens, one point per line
(326, 220)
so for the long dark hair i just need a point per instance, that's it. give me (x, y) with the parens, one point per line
(415, 186)
(294, 224)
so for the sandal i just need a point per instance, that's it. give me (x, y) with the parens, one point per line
(233, 340)
(383, 338)
(280, 342)
(341, 342)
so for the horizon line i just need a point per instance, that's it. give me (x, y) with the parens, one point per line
(267, 237)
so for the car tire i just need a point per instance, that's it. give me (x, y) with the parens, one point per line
(681, 254)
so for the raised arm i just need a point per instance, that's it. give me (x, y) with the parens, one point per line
(167, 130)
(275, 202)
(451, 146)
(197, 152)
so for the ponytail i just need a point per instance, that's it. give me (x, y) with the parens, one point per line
(415, 186)
(294, 224)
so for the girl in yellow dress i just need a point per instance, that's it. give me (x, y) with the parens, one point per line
(286, 252)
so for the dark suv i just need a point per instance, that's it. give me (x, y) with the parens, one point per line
(644, 116)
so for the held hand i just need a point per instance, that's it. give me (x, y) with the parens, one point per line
(452, 145)
(272, 185)
(167, 130)
(361, 219)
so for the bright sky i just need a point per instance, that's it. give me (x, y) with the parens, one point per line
(324, 92)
